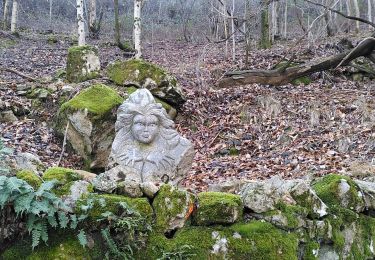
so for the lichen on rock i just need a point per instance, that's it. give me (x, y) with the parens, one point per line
(172, 208)
(82, 63)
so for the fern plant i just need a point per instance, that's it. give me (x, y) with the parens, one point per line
(4, 153)
(40, 208)
(124, 232)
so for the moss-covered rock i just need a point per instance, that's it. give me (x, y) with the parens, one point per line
(218, 208)
(111, 203)
(65, 179)
(141, 73)
(61, 246)
(172, 208)
(30, 177)
(82, 63)
(255, 240)
(338, 190)
(91, 117)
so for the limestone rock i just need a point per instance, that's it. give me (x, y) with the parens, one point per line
(146, 146)
(143, 74)
(129, 188)
(218, 208)
(338, 190)
(227, 186)
(149, 189)
(82, 63)
(77, 190)
(91, 123)
(87, 176)
(172, 208)
(28, 161)
(7, 117)
(368, 191)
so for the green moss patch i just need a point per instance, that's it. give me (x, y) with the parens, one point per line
(136, 70)
(327, 189)
(98, 100)
(62, 175)
(30, 177)
(61, 245)
(169, 205)
(263, 241)
(108, 202)
(218, 208)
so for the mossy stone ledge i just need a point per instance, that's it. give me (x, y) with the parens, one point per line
(82, 63)
(140, 73)
(30, 177)
(218, 208)
(91, 117)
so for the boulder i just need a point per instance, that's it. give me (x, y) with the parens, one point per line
(82, 63)
(218, 208)
(90, 119)
(172, 208)
(143, 74)
(7, 117)
(30, 162)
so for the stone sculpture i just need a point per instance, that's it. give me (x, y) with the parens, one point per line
(146, 148)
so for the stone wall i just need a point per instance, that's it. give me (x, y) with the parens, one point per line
(326, 218)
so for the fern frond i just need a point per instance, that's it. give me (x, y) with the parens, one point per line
(82, 238)
(63, 219)
(52, 221)
(44, 231)
(23, 203)
(36, 234)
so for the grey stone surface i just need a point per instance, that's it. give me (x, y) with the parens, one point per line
(146, 148)
(8, 117)
(77, 189)
(28, 161)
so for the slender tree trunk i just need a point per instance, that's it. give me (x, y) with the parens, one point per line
(265, 42)
(50, 13)
(247, 31)
(225, 22)
(233, 35)
(349, 12)
(369, 12)
(81, 24)
(117, 24)
(92, 18)
(285, 19)
(13, 24)
(357, 14)
(137, 28)
(5, 14)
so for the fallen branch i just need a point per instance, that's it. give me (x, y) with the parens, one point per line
(285, 75)
(18, 73)
(64, 144)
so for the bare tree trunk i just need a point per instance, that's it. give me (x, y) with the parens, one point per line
(265, 42)
(92, 19)
(117, 24)
(274, 24)
(285, 19)
(137, 28)
(13, 24)
(50, 14)
(81, 24)
(247, 30)
(233, 35)
(357, 14)
(225, 22)
(5, 14)
(369, 12)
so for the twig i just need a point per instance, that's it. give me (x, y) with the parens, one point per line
(342, 14)
(64, 143)
(19, 74)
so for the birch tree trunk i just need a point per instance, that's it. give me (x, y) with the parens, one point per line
(13, 24)
(137, 28)
(92, 18)
(5, 14)
(81, 24)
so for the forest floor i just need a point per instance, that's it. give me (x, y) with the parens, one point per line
(251, 132)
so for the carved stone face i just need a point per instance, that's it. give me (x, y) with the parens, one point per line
(145, 128)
